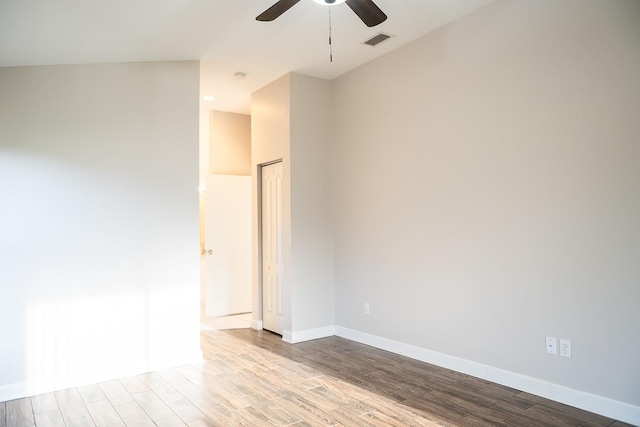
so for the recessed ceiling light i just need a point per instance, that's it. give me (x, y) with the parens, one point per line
(209, 98)
(329, 2)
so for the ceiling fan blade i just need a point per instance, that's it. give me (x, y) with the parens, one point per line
(367, 10)
(276, 10)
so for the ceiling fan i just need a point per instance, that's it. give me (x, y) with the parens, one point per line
(366, 10)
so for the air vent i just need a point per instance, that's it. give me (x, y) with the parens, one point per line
(377, 39)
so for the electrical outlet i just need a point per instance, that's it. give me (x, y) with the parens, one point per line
(552, 345)
(565, 348)
(366, 308)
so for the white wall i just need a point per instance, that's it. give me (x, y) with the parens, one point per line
(99, 222)
(486, 192)
(290, 120)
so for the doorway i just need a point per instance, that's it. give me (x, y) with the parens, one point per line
(228, 245)
(271, 247)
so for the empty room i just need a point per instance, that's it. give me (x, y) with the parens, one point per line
(440, 213)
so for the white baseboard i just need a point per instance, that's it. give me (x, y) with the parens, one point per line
(589, 402)
(256, 324)
(308, 335)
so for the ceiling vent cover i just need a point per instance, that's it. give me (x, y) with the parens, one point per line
(377, 39)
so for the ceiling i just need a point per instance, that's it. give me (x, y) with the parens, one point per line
(222, 34)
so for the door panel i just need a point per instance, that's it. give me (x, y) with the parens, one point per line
(272, 265)
(228, 266)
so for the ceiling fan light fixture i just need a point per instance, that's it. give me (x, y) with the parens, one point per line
(367, 10)
(329, 2)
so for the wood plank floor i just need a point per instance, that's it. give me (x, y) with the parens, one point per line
(253, 378)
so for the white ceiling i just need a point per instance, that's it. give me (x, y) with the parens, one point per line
(222, 34)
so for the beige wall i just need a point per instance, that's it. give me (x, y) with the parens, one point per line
(230, 143)
(311, 208)
(486, 192)
(99, 222)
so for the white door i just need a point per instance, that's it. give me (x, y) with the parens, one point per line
(272, 266)
(228, 246)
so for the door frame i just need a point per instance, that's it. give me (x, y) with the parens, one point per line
(260, 308)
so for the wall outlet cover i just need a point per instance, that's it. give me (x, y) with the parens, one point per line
(565, 348)
(552, 345)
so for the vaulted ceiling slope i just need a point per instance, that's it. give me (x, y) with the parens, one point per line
(222, 34)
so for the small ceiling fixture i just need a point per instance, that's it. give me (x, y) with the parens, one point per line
(239, 75)
(209, 98)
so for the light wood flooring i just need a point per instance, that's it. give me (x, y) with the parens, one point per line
(253, 378)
